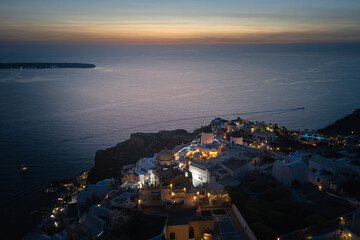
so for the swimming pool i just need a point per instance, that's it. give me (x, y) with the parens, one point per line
(312, 136)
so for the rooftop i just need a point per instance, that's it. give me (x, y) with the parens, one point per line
(323, 161)
(185, 215)
(165, 155)
(151, 226)
(168, 173)
(243, 149)
(234, 164)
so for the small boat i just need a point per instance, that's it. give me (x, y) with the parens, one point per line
(24, 169)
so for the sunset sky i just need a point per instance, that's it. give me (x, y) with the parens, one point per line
(179, 22)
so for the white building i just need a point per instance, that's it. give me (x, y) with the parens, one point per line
(165, 158)
(294, 156)
(99, 189)
(121, 200)
(218, 124)
(322, 170)
(236, 138)
(200, 173)
(237, 168)
(219, 168)
(207, 136)
(263, 136)
(287, 172)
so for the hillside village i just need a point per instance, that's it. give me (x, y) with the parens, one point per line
(236, 179)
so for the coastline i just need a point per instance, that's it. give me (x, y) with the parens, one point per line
(138, 145)
(44, 65)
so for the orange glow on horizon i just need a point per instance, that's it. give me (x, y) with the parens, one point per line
(148, 34)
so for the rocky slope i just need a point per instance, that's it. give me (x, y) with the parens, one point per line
(345, 126)
(109, 162)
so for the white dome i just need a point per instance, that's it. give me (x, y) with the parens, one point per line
(165, 158)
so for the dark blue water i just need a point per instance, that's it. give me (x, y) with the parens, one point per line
(55, 120)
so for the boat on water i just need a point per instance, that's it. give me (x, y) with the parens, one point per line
(23, 169)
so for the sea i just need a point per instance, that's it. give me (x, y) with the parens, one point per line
(54, 120)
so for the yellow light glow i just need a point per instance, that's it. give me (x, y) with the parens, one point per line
(172, 194)
(320, 187)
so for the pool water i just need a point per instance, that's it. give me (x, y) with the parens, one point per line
(312, 136)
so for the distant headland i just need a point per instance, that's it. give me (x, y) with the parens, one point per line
(44, 65)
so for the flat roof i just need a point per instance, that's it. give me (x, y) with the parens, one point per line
(222, 170)
(326, 162)
(168, 173)
(226, 225)
(183, 216)
(234, 164)
(229, 181)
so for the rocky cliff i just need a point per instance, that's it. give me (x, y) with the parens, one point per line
(347, 125)
(109, 162)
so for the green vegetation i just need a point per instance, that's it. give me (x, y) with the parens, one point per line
(272, 209)
(263, 128)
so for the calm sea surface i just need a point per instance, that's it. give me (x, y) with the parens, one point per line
(54, 120)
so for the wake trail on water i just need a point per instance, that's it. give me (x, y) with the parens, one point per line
(277, 111)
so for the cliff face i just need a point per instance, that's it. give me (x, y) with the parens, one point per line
(345, 126)
(109, 162)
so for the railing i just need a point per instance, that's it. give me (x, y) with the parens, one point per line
(244, 224)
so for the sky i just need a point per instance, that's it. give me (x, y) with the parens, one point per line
(179, 21)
